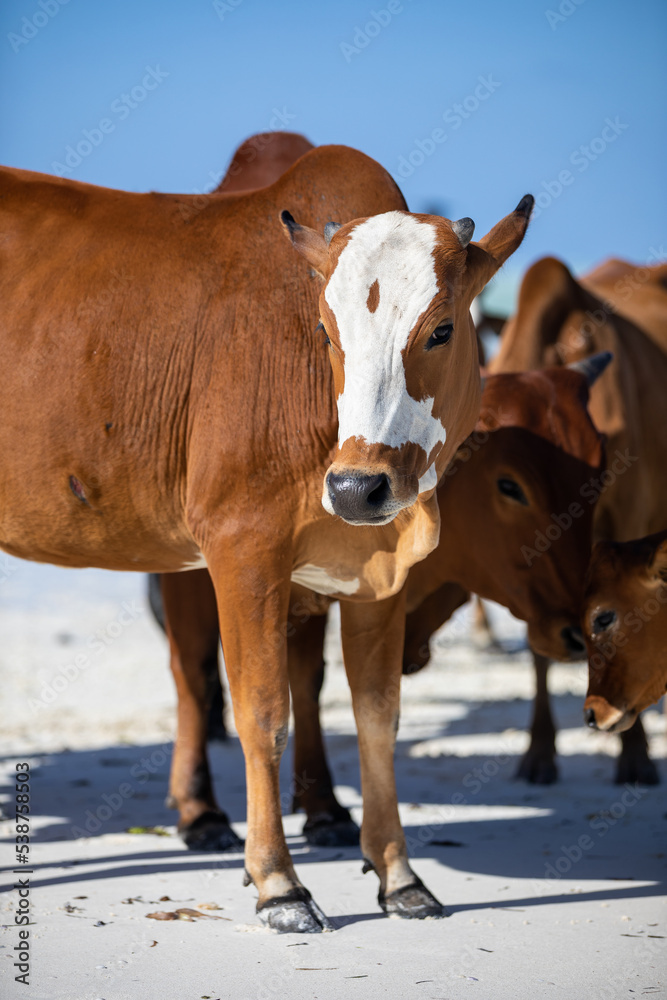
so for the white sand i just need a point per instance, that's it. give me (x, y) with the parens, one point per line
(526, 921)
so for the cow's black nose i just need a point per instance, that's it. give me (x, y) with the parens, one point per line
(573, 638)
(589, 717)
(359, 498)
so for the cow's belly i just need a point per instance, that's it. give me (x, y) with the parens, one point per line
(78, 525)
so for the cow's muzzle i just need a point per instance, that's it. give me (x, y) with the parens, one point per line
(361, 499)
(599, 714)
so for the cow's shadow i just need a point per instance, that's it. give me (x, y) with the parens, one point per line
(467, 813)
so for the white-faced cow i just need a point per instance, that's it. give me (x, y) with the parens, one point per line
(186, 415)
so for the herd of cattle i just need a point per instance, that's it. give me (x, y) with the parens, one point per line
(290, 408)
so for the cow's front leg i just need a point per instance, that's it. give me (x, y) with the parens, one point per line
(328, 823)
(373, 647)
(538, 764)
(253, 589)
(191, 622)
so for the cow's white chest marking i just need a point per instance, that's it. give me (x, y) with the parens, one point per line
(317, 579)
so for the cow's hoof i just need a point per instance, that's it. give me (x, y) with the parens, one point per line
(295, 913)
(210, 832)
(325, 831)
(413, 902)
(537, 769)
(636, 770)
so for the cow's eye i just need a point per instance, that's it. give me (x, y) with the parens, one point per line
(441, 335)
(320, 327)
(603, 621)
(510, 488)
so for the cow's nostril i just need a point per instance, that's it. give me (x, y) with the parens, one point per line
(381, 492)
(573, 638)
(589, 716)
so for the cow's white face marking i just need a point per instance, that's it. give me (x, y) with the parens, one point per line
(317, 579)
(396, 251)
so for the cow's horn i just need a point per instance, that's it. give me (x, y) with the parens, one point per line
(329, 231)
(591, 368)
(463, 230)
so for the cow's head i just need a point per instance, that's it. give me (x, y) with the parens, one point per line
(625, 627)
(516, 503)
(394, 311)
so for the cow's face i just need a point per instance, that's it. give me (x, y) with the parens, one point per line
(520, 483)
(395, 315)
(625, 627)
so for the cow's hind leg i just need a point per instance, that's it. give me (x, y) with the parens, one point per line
(373, 645)
(191, 621)
(253, 587)
(328, 823)
(216, 714)
(634, 764)
(538, 764)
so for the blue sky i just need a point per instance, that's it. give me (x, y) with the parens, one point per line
(469, 105)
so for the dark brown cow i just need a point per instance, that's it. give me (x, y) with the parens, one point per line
(532, 451)
(559, 320)
(625, 626)
(168, 403)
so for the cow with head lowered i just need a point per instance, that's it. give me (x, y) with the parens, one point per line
(189, 416)
(625, 627)
(559, 319)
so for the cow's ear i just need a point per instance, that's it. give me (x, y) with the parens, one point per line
(658, 567)
(488, 254)
(309, 244)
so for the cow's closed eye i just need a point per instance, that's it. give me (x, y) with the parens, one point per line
(510, 488)
(441, 335)
(603, 621)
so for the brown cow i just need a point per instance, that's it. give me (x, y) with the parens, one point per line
(559, 320)
(533, 449)
(195, 418)
(625, 627)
